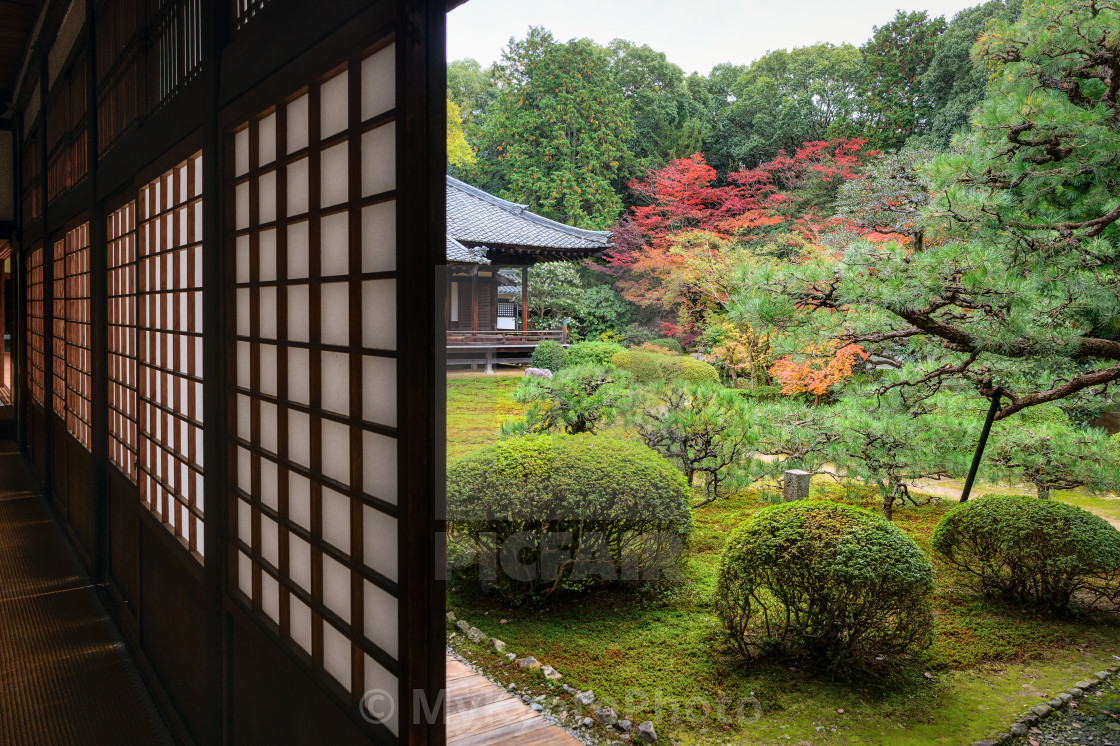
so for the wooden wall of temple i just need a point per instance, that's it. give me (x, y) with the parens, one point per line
(224, 349)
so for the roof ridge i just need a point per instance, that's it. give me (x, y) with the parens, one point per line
(522, 212)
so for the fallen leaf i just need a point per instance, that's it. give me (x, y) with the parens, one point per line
(1076, 725)
(928, 675)
(1032, 742)
(503, 621)
(840, 712)
(1036, 730)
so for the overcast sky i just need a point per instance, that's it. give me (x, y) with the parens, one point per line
(695, 34)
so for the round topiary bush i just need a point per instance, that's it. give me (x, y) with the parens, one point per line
(1030, 551)
(548, 355)
(671, 345)
(830, 585)
(688, 370)
(592, 353)
(546, 511)
(644, 367)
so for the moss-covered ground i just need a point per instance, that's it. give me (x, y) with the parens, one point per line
(657, 654)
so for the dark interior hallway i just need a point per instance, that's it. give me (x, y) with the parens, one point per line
(65, 676)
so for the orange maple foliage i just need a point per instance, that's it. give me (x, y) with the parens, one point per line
(823, 366)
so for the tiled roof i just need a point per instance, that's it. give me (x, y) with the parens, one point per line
(457, 252)
(476, 218)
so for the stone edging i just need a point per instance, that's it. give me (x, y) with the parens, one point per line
(615, 726)
(1022, 726)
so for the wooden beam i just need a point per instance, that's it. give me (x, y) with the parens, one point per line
(474, 302)
(524, 298)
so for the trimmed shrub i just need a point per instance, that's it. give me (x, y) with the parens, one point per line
(647, 347)
(549, 355)
(689, 370)
(578, 399)
(827, 584)
(542, 511)
(1030, 551)
(591, 353)
(671, 345)
(636, 334)
(645, 367)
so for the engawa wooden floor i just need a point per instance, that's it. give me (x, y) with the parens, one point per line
(64, 678)
(481, 713)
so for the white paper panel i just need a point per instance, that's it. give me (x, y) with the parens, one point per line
(299, 311)
(299, 561)
(269, 483)
(380, 536)
(270, 540)
(336, 587)
(245, 522)
(299, 375)
(268, 439)
(381, 618)
(379, 390)
(242, 313)
(379, 314)
(268, 312)
(297, 124)
(298, 251)
(334, 254)
(336, 655)
(242, 259)
(336, 519)
(334, 305)
(379, 679)
(300, 618)
(379, 79)
(244, 356)
(244, 468)
(379, 160)
(335, 371)
(336, 451)
(241, 152)
(266, 140)
(380, 466)
(268, 369)
(299, 500)
(266, 198)
(332, 98)
(244, 410)
(245, 574)
(267, 252)
(299, 438)
(241, 206)
(379, 237)
(333, 184)
(297, 187)
(270, 597)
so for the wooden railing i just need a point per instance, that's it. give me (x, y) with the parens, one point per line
(505, 337)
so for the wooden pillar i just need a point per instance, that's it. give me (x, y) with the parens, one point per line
(5, 379)
(474, 301)
(524, 298)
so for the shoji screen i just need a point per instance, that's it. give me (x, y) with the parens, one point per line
(77, 335)
(169, 350)
(35, 331)
(121, 227)
(314, 218)
(58, 327)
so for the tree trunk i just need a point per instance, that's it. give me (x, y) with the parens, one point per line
(1043, 491)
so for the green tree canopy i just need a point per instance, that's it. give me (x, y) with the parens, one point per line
(555, 136)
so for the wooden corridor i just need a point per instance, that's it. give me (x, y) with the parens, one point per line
(481, 713)
(65, 677)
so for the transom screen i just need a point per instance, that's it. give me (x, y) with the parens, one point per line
(35, 321)
(169, 350)
(58, 328)
(123, 447)
(315, 453)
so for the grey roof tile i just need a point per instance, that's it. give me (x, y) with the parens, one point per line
(457, 252)
(476, 217)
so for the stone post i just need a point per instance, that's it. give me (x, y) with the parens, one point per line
(796, 485)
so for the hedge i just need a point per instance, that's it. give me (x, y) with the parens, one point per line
(826, 584)
(625, 509)
(1029, 551)
(591, 353)
(549, 355)
(650, 367)
(671, 345)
